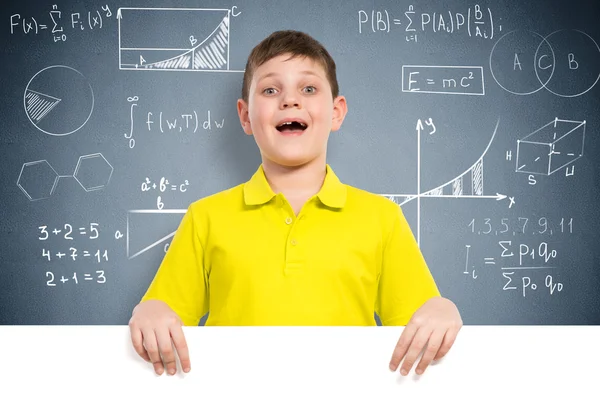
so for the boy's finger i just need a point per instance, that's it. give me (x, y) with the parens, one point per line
(402, 346)
(447, 343)
(417, 345)
(151, 346)
(165, 346)
(181, 347)
(433, 345)
(137, 341)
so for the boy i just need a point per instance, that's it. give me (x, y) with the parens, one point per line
(293, 245)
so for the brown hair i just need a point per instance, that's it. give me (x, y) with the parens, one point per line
(297, 44)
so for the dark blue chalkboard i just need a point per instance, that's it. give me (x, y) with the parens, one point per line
(479, 119)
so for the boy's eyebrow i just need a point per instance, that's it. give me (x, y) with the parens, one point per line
(306, 72)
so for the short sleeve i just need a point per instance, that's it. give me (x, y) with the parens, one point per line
(405, 282)
(181, 279)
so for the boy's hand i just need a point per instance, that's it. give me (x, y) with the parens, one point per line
(153, 325)
(435, 324)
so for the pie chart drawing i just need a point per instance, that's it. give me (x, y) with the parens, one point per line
(58, 100)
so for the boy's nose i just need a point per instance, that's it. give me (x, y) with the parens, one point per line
(290, 101)
(288, 104)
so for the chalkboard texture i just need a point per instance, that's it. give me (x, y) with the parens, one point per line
(479, 119)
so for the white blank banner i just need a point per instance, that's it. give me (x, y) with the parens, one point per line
(486, 362)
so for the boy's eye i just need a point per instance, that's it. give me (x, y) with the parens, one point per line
(310, 89)
(269, 91)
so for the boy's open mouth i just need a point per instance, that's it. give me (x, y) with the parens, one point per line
(292, 126)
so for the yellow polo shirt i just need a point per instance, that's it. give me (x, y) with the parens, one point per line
(243, 256)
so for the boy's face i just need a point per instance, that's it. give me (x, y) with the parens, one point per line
(290, 110)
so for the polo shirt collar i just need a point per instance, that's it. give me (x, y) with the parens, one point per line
(258, 191)
(333, 192)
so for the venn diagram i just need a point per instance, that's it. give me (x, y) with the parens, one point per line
(565, 62)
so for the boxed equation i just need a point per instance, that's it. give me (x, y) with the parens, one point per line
(466, 80)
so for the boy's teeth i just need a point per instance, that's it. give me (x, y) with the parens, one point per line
(292, 125)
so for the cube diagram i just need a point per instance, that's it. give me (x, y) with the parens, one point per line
(551, 147)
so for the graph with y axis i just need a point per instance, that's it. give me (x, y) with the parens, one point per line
(467, 185)
(174, 39)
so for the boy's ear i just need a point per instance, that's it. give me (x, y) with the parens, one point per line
(242, 109)
(340, 108)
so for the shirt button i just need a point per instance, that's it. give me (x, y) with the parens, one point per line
(293, 242)
(288, 220)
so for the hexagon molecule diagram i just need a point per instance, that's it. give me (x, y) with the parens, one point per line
(38, 179)
(93, 172)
